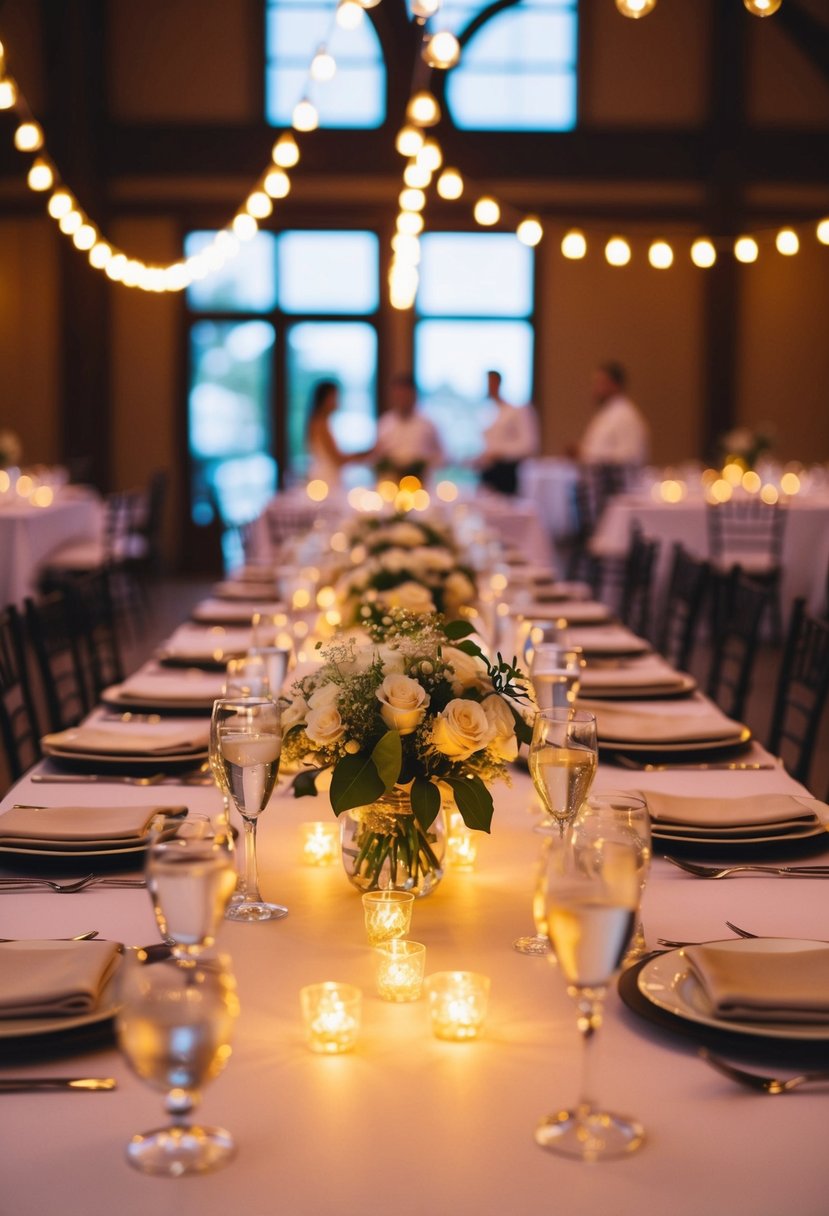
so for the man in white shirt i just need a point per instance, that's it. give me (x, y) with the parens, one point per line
(511, 437)
(617, 433)
(407, 441)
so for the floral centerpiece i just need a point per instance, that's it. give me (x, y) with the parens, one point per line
(421, 578)
(377, 532)
(745, 445)
(404, 726)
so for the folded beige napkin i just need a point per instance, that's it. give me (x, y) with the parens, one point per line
(235, 589)
(170, 685)
(80, 825)
(648, 672)
(215, 641)
(234, 611)
(43, 979)
(576, 612)
(764, 985)
(607, 639)
(128, 739)
(758, 811)
(693, 720)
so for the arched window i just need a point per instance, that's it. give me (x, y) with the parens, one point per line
(294, 29)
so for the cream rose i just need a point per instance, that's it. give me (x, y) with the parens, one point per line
(324, 726)
(411, 596)
(462, 729)
(467, 671)
(502, 722)
(458, 590)
(403, 703)
(324, 696)
(405, 534)
(294, 712)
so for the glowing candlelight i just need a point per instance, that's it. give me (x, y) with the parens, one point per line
(332, 1014)
(388, 915)
(461, 844)
(458, 1003)
(320, 843)
(400, 967)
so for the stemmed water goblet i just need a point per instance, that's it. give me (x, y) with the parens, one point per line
(625, 814)
(555, 673)
(190, 877)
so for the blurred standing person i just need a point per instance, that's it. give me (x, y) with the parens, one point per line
(408, 443)
(511, 437)
(327, 457)
(617, 433)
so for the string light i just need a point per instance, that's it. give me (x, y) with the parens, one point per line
(323, 66)
(259, 205)
(442, 51)
(787, 242)
(703, 253)
(8, 94)
(487, 212)
(822, 231)
(285, 152)
(762, 8)
(409, 141)
(99, 255)
(412, 200)
(574, 244)
(85, 237)
(245, 226)
(277, 184)
(450, 184)
(635, 8)
(70, 222)
(660, 255)
(28, 137)
(410, 222)
(529, 231)
(418, 176)
(424, 9)
(305, 116)
(423, 109)
(349, 14)
(430, 156)
(40, 176)
(746, 249)
(617, 251)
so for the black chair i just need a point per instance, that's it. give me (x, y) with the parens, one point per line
(637, 582)
(19, 731)
(95, 622)
(739, 607)
(747, 532)
(54, 636)
(682, 609)
(802, 689)
(594, 486)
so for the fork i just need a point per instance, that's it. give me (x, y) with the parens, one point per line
(733, 766)
(86, 778)
(69, 888)
(700, 871)
(756, 1080)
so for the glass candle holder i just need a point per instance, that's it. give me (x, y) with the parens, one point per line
(461, 844)
(320, 843)
(400, 966)
(332, 1013)
(458, 1003)
(388, 915)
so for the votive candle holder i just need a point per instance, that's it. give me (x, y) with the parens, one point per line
(388, 915)
(332, 1013)
(320, 843)
(400, 967)
(458, 1002)
(461, 844)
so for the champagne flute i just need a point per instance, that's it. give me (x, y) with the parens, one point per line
(174, 1026)
(190, 877)
(555, 673)
(627, 814)
(246, 741)
(272, 644)
(593, 889)
(563, 758)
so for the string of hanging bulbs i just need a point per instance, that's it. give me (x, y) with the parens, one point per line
(640, 8)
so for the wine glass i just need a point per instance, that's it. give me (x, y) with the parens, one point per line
(246, 742)
(174, 1026)
(190, 877)
(555, 673)
(247, 676)
(628, 814)
(272, 644)
(593, 889)
(563, 758)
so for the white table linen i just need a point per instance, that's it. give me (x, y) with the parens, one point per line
(28, 534)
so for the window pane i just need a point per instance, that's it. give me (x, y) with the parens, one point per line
(451, 362)
(475, 274)
(502, 101)
(345, 351)
(328, 272)
(247, 283)
(229, 419)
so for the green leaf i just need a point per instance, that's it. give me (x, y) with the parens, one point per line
(425, 798)
(471, 648)
(355, 782)
(305, 784)
(456, 630)
(388, 757)
(523, 730)
(474, 801)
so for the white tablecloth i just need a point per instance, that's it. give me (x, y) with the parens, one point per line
(408, 1124)
(550, 483)
(28, 534)
(805, 545)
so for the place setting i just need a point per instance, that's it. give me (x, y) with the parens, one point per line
(685, 729)
(205, 647)
(161, 690)
(129, 744)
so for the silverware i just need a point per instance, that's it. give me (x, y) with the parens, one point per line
(722, 766)
(700, 871)
(757, 1081)
(94, 778)
(128, 716)
(23, 1085)
(745, 933)
(7, 885)
(81, 937)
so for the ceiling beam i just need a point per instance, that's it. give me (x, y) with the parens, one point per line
(809, 35)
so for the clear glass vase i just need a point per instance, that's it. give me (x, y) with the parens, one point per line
(385, 848)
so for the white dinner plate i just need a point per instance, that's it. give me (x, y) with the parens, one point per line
(581, 615)
(693, 745)
(115, 696)
(668, 982)
(119, 759)
(805, 831)
(684, 685)
(107, 1007)
(127, 850)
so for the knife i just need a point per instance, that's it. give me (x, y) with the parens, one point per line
(22, 1085)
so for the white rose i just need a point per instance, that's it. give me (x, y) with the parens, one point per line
(467, 670)
(405, 534)
(294, 712)
(411, 596)
(502, 722)
(324, 696)
(403, 703)
(462, 728)
(394, 560)
(324, 726)
(433, 559)
(458, 590)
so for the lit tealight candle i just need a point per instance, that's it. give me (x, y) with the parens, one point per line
(458, 1003)
(332, 1015)
(400, 967)
(461, 844)
(388, 915)
(320, 843)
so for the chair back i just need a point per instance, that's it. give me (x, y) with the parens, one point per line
(637, 582)
(802, 689)
(746, 531)
(94, 615)
(56, 646)
(682, 609)
(19, 731)
(739, 606)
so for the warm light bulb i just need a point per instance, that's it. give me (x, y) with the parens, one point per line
(245, 226)
(450, 184)
(442, 51)
(417, 176)
(787, 242)
(406, 248)
(305, 117)
(617, 251)
(115, 267)
(40, 175)
(430, 156)
(529, 231)
(762, 8)
(259, 205)
(660, 255)
(574, 244)
(28, 137)
(8, 94)
(635, 8)
(285, 152)
(323, 66)
(703, 253)
(60, 204)
(423, 109)
(487, 212)
(277, 183)
(409, 141)
(746, 249)
(822, 231)
(100, 255)
(424, 9)
(412, 200)
(368, 3)
(410, 223)
(349, 14)
(85, 237)
(71, 222)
